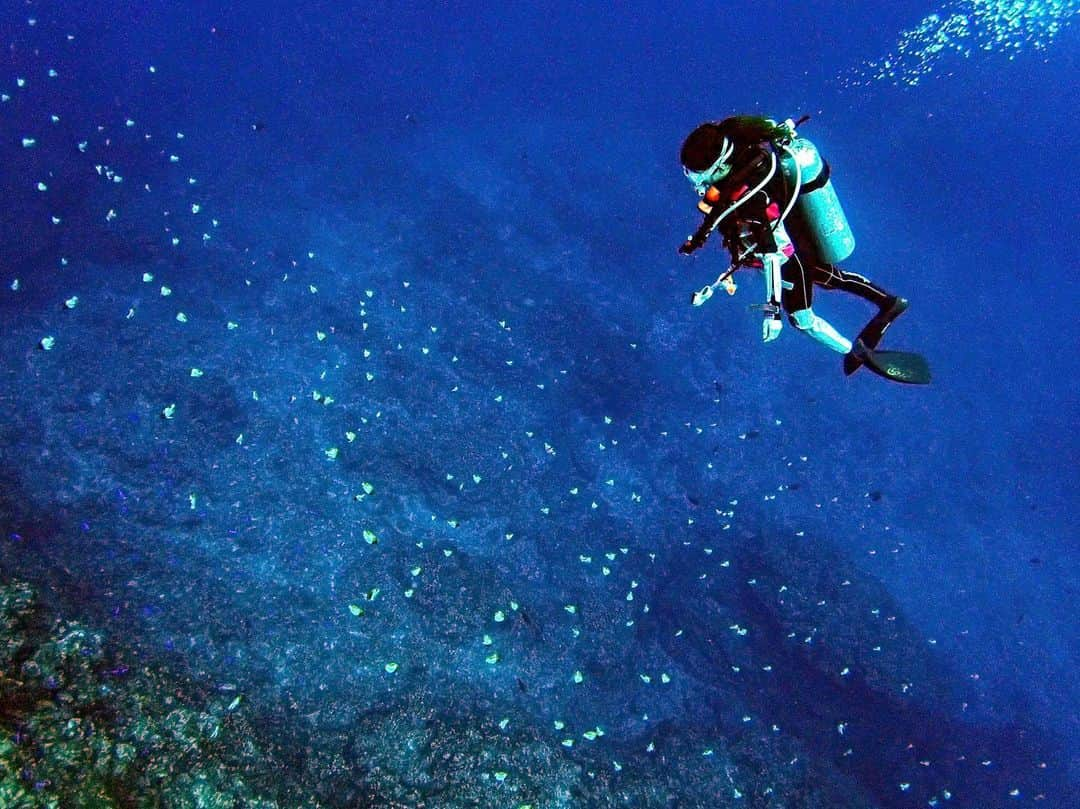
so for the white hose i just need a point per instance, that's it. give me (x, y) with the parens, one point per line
(745, 197)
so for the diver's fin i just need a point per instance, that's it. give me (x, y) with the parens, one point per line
(872, 333)
(899, 366)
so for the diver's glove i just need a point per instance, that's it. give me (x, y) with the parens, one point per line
(695, 242)
(770, 328)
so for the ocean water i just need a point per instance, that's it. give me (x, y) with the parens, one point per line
(359, 446)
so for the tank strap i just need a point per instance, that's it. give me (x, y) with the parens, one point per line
(820, 180)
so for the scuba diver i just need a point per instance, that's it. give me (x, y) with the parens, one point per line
(767, 191)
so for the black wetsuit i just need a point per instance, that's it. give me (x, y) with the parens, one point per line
(753, 223)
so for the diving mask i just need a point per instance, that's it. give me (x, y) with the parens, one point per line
(720, 169)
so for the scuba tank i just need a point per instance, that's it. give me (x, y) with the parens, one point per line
(817, 208)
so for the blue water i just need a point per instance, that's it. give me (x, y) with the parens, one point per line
(445, 237)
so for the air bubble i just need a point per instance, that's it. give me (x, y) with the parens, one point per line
(960, 29)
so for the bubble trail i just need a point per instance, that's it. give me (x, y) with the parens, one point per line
(962, 29)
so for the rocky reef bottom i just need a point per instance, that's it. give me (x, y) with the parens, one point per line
(80, 730)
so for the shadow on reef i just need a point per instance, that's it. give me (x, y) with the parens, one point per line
(33, 539)
(828, 660)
